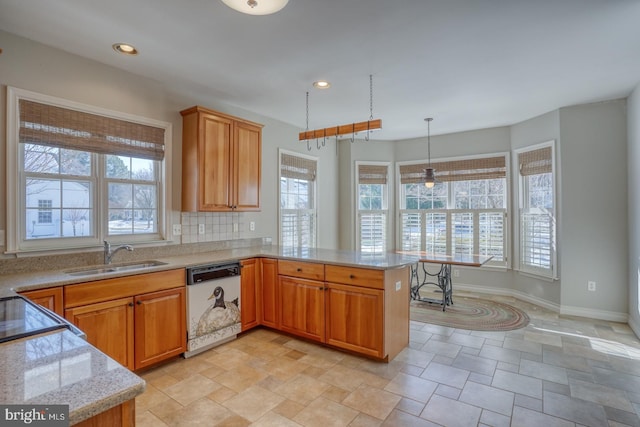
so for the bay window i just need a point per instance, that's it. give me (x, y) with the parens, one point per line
(536, 247)
(464, 213)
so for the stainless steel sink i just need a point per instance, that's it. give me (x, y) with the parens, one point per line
(112, 268)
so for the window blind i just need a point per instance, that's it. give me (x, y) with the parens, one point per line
(456, 170)
(372, 174)
(297, 167)
(60, 127)
(535, 162)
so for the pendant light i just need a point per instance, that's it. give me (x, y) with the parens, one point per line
(256, 7)
(429, 173)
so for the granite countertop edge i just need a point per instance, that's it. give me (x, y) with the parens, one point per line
(97, 407)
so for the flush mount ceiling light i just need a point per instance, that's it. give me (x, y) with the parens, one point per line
(322, 84)
(429, 173)
(125, 49)
(256, 7)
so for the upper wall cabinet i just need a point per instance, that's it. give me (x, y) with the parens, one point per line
(221, 162)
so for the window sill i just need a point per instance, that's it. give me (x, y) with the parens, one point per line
(538, 276)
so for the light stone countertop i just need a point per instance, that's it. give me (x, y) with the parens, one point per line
(50, 278)
(63, 369)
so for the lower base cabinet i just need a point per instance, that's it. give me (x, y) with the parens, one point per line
(50, 298)
(122, 415)
(136, 320)
(302, 307)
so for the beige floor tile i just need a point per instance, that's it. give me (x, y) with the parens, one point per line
(325, 413)
(222, 394)
(288, 408)
(234, 421)
(302, 389)
(372, 401)
(345, 378)
(162, 382)
(253, 403)
(150, 398)
(191, 389)
(284, 368)
(364, 420)
(271, 419)
(270, 383)
(166, 410)
(148, 419)
(202, 412)
(241, 378)
(336, 394)
(227, 360)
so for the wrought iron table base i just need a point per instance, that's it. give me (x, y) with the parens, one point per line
(443, 277)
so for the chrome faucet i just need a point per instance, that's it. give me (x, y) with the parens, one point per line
(108, 255)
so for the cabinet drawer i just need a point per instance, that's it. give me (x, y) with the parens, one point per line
(304, 270)
(355, 276)
(120, 287)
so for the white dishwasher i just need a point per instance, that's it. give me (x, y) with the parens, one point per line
(213, 305)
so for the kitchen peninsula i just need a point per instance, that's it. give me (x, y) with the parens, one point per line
(359, 303)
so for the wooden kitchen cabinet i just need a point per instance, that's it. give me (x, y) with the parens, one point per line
(269, 293)
(355, 318)
(137, 320)
(302, 307)
(249, 295)
(108, 326)
(221, 162)
(160, 326)
(50, 298)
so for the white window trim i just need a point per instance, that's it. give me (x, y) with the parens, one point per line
(507, 264)
(549, 275)
(282, 151)
(14, 205)
(388, 234)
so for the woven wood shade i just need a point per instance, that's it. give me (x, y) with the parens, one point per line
(535, 162)
(297, 167)
(76, 130)
(456, 170)
(372, 174)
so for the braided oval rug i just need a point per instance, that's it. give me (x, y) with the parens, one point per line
(471, 313)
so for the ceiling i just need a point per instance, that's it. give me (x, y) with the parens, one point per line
(470, 64)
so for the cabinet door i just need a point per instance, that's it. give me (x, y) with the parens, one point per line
(302, 307)
(249, 297)
(355, 319)
(214, 163)
(269, 292)
(160, 326)
(109, 327)
(50, 298)
(247, 163)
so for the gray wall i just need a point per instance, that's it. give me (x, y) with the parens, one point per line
(593, 219)
(633, 160)
(39, 68)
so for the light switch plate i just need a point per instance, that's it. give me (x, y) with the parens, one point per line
(398, 285)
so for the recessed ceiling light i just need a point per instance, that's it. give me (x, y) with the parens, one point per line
(256, 7)
(125, 48)
(322, 84)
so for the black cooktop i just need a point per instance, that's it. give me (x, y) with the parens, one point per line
(21, 318)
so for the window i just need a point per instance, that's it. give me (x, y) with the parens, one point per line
(372, 207)
(83, 175)
(298, 215)
(537, 210)
(464, 213)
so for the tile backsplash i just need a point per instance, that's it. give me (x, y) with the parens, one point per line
(217, 226)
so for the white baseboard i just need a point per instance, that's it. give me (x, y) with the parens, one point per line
(590, 313)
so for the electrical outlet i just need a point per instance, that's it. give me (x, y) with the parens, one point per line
(591, 286)
(252, 226)
(456, 272)
(177, 229)
(200, 228)
(398, 285)
(235, 227)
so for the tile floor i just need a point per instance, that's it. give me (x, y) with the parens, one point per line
(555, 372)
